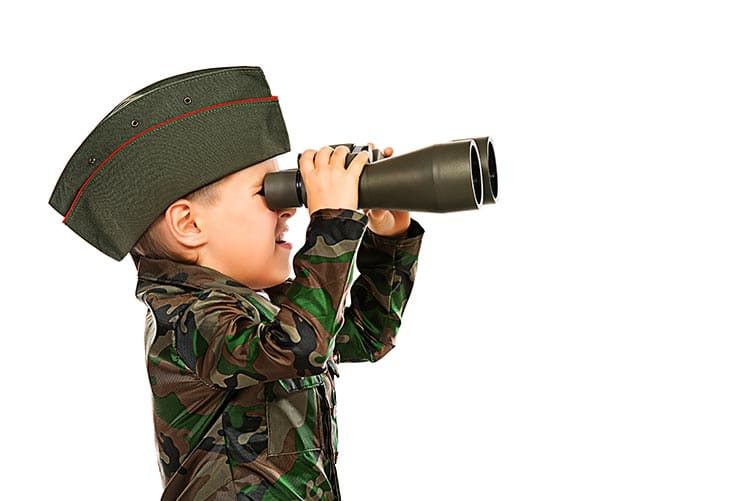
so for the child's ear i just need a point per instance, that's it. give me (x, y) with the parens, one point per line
(182, 224)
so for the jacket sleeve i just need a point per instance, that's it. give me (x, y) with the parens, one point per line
(387, 269)
(231, 347)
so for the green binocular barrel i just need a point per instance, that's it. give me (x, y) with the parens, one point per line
(445, 177)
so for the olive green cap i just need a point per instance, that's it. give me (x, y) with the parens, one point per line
(161, 143)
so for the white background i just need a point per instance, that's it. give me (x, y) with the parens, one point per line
(586, 338)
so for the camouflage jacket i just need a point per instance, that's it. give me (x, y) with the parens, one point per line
(243, 392)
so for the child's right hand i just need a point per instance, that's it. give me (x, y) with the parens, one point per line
(328, 183)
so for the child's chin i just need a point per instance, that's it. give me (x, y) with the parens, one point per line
(282, 276)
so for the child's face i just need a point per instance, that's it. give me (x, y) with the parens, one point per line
(245, 240)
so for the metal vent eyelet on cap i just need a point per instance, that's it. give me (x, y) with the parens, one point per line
(92, 160)
(187, 100)
(134, 123)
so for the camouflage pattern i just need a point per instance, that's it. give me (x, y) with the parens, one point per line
(243, 390)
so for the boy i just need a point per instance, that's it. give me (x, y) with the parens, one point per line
(240, 359)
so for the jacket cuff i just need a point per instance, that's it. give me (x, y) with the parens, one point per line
(339, 214)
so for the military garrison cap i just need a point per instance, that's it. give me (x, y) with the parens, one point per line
(161, 143)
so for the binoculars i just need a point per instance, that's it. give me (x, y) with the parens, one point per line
(446, 177)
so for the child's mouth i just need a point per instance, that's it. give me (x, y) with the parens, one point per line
(283, 243)
(280, 239)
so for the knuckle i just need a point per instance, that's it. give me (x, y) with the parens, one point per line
(305, 161)
(306, 158)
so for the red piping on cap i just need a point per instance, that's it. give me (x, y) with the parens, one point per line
(165, 122)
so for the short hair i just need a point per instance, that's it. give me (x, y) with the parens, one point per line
(150, 244)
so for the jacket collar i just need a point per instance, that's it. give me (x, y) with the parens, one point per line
(153, 272)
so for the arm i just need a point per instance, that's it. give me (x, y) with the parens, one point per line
(379, 295)
(230, 347)
(388, 263)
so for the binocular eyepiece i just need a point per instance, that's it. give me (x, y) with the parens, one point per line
(446, 177)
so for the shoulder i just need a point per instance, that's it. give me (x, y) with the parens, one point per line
(217, 309)
(179, 308)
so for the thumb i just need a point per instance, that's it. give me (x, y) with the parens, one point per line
(376, 214)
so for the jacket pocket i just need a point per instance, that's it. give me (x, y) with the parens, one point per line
(293, 415)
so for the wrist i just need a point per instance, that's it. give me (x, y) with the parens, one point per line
(392, 233)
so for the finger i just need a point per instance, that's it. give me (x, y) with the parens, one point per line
(373, 147)
(338, 159)
(323, 157)
(356, 165)
(378, 213)
(388, 152)
(305, 161)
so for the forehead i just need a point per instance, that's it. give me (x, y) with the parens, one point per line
(253, 174)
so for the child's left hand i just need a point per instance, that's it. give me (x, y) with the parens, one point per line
(388, 223)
